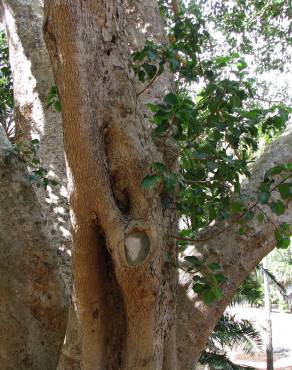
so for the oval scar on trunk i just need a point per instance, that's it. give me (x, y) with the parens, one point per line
(137, 247)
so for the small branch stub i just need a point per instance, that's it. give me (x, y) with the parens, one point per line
(137, 247)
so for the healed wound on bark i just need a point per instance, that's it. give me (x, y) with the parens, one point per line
(137, 247)
(109, 150)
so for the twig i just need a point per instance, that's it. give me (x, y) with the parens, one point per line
(238, 218)
(147, 86)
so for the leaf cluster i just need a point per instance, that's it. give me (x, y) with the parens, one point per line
(38, 174)
(6, 89)
(217, 127)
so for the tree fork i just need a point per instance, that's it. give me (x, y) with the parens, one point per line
(109, 150)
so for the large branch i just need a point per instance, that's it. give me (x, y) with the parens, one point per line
(238, 255)
(33, 300)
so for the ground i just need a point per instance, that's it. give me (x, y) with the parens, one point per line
(282, 338)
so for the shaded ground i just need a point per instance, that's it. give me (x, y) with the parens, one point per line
(282, 338)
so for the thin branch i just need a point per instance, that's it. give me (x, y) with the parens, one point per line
(147, 86)
(238, 218)
(269, 100)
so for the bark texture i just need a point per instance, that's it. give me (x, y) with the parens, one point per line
(125, 289)
(32, 294)
(236, 254)
(32, 81)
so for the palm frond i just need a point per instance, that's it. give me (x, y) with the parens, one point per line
(249, 292)
(235, 334)
(217, 361)
(281, 289)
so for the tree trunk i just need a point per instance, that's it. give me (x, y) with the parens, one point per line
(33, 299)
(269, 335)
(32, 81)
(125, 289)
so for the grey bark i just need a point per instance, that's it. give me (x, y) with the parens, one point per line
(32, 294)
(32, 81)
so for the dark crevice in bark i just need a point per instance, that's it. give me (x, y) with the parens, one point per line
(122, 197)
(113, 315)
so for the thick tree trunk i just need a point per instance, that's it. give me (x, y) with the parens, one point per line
(119, 229)
(32, 294)
(103, 123)
(236, 265)
(32, 81)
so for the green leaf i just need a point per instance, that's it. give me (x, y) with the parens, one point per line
(276, 170)
(284, 228)
(283, 242)
(241, 65)
(260, 217)
(236, 207)
(159, 130)
(151, 55)
(214, 266)
(285, 190)
(159, 166)
(171, 99)
(220, 278)
(197, 278)
(153, 107)
(277, 207)
(141, 75)
(57, 106)
(217, 292)
(35, 162)
(264, 197)
(170, 182)
(161, 116)
(192, 260)
(198, 288)
(35, 142)
(209, 296)
(249, 216)
(150, 70)
(45, 183)
(151, 181)
(243, 230)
